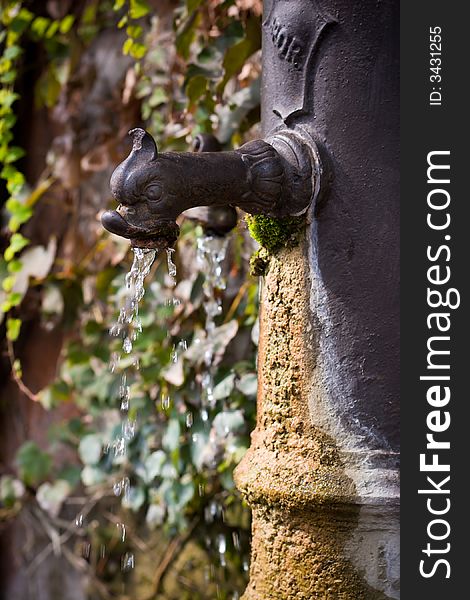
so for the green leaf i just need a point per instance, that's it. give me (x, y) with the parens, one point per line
(20, 23)
(134, 499)
(138, 9)
(225, 387)
(13, 329)
(118, 4)
(248, 384)
(7, 98)
(227, 422)
(51, 496)
(12, 52)
(34, 464)
(52, 29)
(134, 31)
(89, 449)
(195, 88)
(17, 243)
(71, 474)
(170, 440)
(92, 476)
(186, 35)
(137, 50)
(39, 26)
(123, 22)
(14, 266)
(14, 153)
(191, 5)
(66, 24)
(153, 464)
(10, 490)
(158, 97)
(126, 47)
(9, 76)
(236, 56)
(8, 283)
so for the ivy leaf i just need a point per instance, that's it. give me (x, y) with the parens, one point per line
(186, 34)
(89, 449)
(34, 464)
(17, 243)
(51, 496)
(153, 464)
(236, 55)
(39, 26)
(10, 490)
(227, 422)
(248, 384)
(225, 387)
(155, 515)
(195, 88)
(191, 5)
(138, 9)
(171, 437)
(66, 24)
(13, 329)
(12, 52)
(134, 499)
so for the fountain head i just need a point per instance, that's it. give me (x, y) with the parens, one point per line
(276, 178)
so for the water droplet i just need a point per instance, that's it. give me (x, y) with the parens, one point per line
(79, 520)
(115, 330)
(201, 490)
(114, 361)
(102, 551)
(222, 544)
(86, 550)
(128, 429)
(236, 540)
(165, 402)
(122, 533)
(189, 420)
(127, 562)
(127, 345)
(171, 265)
(246, 566)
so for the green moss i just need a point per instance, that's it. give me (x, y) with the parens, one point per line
(274, 234)
(259, 262)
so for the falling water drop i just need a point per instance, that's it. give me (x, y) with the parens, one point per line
(236, 540)
(127, 562)
(122, 531)
(189, 420)
(171, 265)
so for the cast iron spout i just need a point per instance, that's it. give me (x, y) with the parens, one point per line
(153, 189)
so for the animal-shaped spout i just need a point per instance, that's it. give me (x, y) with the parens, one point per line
(154, 188)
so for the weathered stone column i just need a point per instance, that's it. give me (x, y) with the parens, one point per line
(321, 474)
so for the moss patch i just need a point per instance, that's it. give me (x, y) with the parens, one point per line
(272, 235)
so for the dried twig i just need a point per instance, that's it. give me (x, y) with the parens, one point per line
(17, 379)
(172, 550)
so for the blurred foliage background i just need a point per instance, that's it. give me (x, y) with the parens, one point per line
(75, 77)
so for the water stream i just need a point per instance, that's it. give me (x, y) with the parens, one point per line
(128, 327)
(211, 253)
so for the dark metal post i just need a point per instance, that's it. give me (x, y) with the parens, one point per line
(322, 472)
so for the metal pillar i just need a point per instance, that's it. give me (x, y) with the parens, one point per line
(322, 472)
